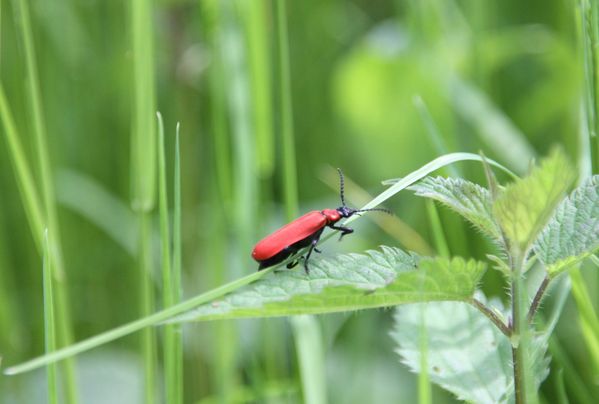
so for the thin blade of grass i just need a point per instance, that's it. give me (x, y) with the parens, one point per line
(177, 381)
(136, 325)
(49, 322)
(143, 174)
(63, 319)
(254, 14)
(168, 298)
(24, 177)
(309, 352)
(442, 161)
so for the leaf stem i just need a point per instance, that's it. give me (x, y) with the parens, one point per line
(537, 299)
(491, 315)
(520, 338)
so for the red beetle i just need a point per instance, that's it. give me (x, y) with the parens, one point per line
(303, 232)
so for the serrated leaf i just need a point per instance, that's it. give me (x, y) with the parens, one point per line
(466, 354)
(573, 232)
(348, 282)
(468, 199)
(526, 204)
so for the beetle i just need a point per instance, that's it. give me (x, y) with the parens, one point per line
(303, 232)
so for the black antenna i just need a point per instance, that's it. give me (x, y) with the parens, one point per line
(341, 187)
(376, 209)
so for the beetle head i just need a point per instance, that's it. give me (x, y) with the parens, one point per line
(344, 210)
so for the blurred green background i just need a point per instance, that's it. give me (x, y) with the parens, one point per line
(504, 77)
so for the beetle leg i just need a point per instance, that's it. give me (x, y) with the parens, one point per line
(344, 230)
(292, 264)
(317, 250)
(313, 243)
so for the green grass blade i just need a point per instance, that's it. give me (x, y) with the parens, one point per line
(143, 173)
(588, 320)
(29, 196)
(440, 162)
(168, 298)
(143, 139)
(311, 366)
(177, 381)
(310, 351)
(255, 16)
(49, 322)
(63, 319)
(136, 325)
(146, 303)
(286, 113)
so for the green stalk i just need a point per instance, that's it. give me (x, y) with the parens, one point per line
(438, 234)
(574, 380)
(147, 337)
(523, 379)
(588, 21)
(143, 142)
(218, 117)
(143, 173)
(177, 382)
(49, 322)
(260, 74)
(245, 190)
(310, 351)
(24, 177)
(64, 323)
(137, 325)
(589, 323)
(168, 292)
(290, 197)
(309, 345)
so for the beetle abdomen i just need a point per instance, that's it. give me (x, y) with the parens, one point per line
(293, 233)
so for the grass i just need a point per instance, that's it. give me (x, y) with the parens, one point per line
(268, 92)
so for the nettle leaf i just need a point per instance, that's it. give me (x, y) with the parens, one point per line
(468, 199)
(348, 282)
(572, 234)
(466, 354)
(526, 204)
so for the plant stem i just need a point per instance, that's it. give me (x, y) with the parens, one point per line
(537, 299)
(516, 348)
(491, 315)
(524, 388)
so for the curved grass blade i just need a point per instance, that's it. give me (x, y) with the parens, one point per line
(136, 325)
(439, 162)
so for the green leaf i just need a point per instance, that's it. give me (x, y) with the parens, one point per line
(525, 205)
(573, 232)
(348, 282)
(466, 354)
(468, 199)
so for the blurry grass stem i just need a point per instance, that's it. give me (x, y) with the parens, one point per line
(588, 15)
(172, 332)
(47, 206)
(143, 173)
(307, 333)
(49, 322)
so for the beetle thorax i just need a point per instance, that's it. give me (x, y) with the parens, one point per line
(332, 215)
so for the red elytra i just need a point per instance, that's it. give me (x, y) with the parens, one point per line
(303, 232)
(301, 228)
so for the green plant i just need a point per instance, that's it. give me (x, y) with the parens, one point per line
(468, 347)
